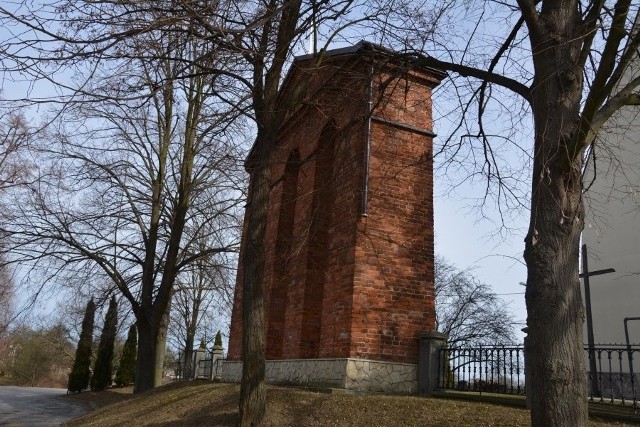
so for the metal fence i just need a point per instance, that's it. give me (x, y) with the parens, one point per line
(495, 369)
(615, 380)
(500, 369)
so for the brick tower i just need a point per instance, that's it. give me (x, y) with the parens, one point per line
(349, 260)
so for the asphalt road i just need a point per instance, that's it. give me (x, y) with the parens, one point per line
(36, 407)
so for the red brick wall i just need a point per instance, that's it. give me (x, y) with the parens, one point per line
(393, 283)
(357, 286)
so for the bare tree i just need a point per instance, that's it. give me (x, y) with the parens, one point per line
(202, 300)
(121, 179)
(571, 65)
(274, 41)
(260, 36)
(267, 45)
(467, 311)
(14, 170)
(6, 299)
(267, 49)
(14, 139)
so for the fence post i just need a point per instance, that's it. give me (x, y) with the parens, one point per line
(200, 354)
(428, 363)
(216, 354)
(527, 368)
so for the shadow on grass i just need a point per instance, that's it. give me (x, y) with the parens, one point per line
(99, 399)
(181, 403)
(202, 403)
(219, 412)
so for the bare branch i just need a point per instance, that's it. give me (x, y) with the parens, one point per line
(483, 75)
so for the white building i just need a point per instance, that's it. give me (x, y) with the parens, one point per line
(612, 228)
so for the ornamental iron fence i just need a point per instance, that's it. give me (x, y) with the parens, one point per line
(501, 369)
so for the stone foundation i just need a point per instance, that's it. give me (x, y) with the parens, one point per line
(349, 374)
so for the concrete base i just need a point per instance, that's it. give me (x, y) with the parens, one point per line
(349, 374)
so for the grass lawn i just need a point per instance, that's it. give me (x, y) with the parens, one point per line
(200, 403)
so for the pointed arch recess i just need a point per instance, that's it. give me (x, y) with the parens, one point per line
(283, 271)
(318, 252)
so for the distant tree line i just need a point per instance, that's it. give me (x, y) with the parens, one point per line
(36, 357)
(46, 356)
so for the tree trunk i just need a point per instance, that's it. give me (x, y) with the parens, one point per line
(555, 318)
(253, 390)
(187, 363)
(558, 379)
(161, 345)
(191, 324)
(152, 338)
(147, 353)
(554, 303)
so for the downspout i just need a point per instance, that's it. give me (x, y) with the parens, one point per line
(630, 357)
(367, 147)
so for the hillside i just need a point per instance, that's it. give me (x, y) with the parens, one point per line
(202, 403)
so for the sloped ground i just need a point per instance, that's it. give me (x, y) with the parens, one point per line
(202, 403)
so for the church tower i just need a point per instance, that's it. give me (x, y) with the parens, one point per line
(349, 273)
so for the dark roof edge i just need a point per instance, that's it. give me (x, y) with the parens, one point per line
(336, 52)
(414, 58)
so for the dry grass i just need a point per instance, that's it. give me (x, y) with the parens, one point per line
(209, 404)
(98, 399)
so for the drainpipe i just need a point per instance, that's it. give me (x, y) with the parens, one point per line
(367, 147)
(626, 335)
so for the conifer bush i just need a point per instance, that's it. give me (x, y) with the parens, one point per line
(127, 368)
(79, 376)
(103, 367)
(217, 343)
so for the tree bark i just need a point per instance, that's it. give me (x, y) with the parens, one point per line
(253, 389)
(554, 308)
(554, 303)
(145, 378)
(153, 325)
(161, 344)
(188, 356)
